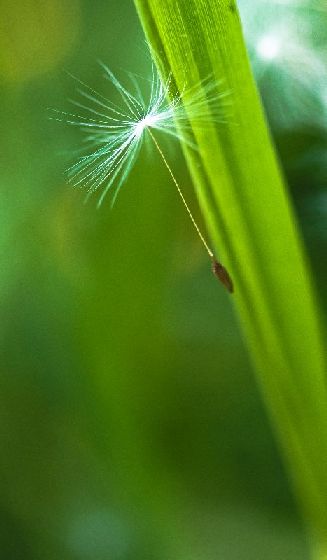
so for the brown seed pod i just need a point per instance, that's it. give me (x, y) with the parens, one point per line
(221, 273)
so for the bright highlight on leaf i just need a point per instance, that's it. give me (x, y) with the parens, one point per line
(268, 47)
(288, 58)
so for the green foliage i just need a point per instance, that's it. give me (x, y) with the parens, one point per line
(248, 214)
(131, 423)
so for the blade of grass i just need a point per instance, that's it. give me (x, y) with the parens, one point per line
(248, 214)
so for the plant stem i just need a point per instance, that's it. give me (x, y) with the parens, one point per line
(249, 217)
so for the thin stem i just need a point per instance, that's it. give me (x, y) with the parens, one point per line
(210, 253)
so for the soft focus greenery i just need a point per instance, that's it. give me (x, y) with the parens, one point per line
(131, 426)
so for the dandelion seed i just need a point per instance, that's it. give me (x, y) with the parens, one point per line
(222, 274)
(114, 133)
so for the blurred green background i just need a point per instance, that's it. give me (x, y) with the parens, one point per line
(131, 425)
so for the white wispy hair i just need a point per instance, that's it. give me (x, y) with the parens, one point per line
(114, 133)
